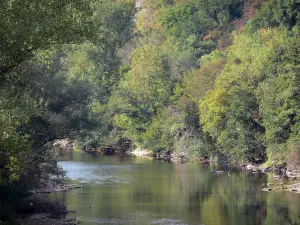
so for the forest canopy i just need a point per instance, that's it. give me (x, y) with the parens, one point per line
(192, 78)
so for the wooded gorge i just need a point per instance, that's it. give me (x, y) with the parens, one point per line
(196, 78)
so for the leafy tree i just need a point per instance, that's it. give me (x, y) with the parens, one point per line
(29, 26)
(222, 12)
(279, 97)
(183, 20)
(274, 13)
(195, 84)
(48, 80)
(142, 92)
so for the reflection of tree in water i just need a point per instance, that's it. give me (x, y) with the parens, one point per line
(283, 208)
(189, 193)
(234, 200)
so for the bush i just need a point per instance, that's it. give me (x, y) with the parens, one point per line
(192, 144)
(293, 158)
(277, 153)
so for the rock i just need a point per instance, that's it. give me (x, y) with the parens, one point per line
(75, 186)
(141, 152)
(267, 189)
(63, 145)
(218, 171)
(250, 167)
(63, 188)
(254, 168)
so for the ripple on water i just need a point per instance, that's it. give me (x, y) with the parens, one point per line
(165, 221)
(106, 221)
(168, 221)
(94, 173)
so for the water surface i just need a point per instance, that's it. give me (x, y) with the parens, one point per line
(140, 191)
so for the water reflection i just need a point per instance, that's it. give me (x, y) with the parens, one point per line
(124, 190)
(93, 173)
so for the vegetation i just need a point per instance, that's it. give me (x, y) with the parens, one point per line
(197, 78)
(49, 76)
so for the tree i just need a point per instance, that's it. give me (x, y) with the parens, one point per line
(29, 26)
(274, 13)
(222, 12)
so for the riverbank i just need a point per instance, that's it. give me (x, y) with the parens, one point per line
(36, 210)
(173, 157)
(280, 172)
(284, 179)
(63, 187)
(279, 186)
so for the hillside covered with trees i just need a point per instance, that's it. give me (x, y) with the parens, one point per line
(196, 78)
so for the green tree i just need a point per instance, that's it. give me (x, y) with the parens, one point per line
(274, 13)
(29, 26)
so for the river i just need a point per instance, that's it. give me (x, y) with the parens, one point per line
(142, 191)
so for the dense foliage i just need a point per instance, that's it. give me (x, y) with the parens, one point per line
(56, 58)
(197, 78)
(203, 79)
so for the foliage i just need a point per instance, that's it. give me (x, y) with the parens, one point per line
(174, 69)
(274, 13)
(182, 81)
(29, 26)
(50, 73)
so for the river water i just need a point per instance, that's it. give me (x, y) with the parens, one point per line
(142, 191)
